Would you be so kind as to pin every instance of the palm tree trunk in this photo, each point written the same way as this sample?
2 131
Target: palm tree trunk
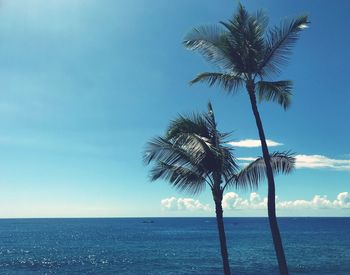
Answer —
271 198
217 195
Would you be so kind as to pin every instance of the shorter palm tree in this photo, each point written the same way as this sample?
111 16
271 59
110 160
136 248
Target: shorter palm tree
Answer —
193 154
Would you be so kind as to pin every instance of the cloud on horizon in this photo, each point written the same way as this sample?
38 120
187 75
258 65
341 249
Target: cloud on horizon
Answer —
252 143
190 204
232 201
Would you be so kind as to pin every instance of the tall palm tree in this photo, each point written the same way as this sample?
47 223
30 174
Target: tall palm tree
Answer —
248 54
193 154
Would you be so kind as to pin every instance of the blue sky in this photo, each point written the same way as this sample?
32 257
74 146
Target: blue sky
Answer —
85 84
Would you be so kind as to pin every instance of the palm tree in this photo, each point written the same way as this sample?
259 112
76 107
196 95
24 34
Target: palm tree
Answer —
194 154
248 55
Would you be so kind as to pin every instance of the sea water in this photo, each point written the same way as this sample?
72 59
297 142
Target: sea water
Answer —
171 246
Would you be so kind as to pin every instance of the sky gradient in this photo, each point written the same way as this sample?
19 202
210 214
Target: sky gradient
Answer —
85 84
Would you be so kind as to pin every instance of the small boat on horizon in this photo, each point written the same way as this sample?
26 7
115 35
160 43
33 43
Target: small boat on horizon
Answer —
148 221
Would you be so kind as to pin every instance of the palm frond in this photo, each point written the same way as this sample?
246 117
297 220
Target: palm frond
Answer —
214 134
237 26
212 43
200 148
255 172
191 154
194 124
229 166
162 150
280 41
277 91
247 38
262 19
182 178
230 83
192 134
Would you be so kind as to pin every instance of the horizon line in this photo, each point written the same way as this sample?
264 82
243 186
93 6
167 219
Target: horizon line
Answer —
168 217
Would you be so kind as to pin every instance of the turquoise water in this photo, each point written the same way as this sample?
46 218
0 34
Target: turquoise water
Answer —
170 246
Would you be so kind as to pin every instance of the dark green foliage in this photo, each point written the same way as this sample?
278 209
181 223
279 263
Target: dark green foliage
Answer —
229 82
255 172
247 53
190 153
244 50
279 43
277 91
193 151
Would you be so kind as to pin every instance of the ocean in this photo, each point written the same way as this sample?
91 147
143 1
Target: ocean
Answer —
170 246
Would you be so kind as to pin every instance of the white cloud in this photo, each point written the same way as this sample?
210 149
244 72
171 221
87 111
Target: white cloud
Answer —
253 143
190 204
302 160
232 201
318 202
319 161
169 203
247 159
343 200
254 197
312 162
